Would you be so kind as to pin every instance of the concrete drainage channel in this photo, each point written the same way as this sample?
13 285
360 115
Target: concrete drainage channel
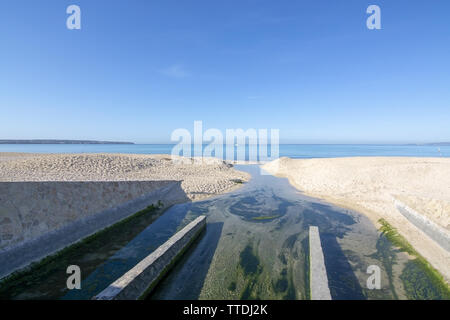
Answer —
142 279
46 223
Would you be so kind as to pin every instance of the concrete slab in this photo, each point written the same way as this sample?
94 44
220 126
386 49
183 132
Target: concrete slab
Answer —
318 272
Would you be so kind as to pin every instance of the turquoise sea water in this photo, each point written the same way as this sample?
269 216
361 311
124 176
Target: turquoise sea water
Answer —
285 150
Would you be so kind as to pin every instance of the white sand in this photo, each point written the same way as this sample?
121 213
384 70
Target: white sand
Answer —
370 185
199 181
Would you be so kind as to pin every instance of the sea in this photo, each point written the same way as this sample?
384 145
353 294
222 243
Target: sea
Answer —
299 151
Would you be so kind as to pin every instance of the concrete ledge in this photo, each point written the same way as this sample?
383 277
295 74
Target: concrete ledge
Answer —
141 279
434 231
318 273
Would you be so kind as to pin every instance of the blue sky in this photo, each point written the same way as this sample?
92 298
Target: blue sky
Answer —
137 70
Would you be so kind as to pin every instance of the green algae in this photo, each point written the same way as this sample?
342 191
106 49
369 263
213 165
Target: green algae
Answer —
420 279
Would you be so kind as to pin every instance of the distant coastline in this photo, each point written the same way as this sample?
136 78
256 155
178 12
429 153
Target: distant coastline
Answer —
432 144
42 141
438 144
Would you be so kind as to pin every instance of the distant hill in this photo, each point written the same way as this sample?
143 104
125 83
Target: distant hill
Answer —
42 141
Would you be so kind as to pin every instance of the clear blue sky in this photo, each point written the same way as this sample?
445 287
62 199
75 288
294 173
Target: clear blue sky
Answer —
139 69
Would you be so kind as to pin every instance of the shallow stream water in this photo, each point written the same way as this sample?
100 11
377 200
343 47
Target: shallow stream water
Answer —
256 247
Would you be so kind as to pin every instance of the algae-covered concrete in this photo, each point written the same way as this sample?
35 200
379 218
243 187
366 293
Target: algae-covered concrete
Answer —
145 275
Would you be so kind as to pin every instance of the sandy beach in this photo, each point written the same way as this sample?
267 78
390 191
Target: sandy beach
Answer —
371 185
199 181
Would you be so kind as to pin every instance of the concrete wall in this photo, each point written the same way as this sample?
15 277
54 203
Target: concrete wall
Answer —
318 272
434 231
145 275
40 218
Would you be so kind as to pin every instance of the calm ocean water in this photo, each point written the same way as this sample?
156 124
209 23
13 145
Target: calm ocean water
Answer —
285 150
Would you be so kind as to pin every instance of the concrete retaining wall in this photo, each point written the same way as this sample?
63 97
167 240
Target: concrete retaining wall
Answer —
318 272
41 218
141 279
434 231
